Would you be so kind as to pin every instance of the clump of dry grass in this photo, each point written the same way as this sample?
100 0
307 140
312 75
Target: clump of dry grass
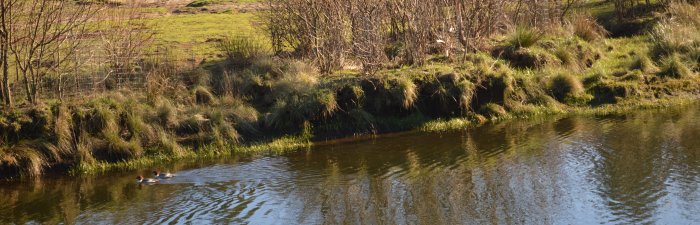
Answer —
587 28
23 159
202 95
679 33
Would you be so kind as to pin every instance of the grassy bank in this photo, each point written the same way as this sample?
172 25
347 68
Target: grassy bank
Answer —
253 101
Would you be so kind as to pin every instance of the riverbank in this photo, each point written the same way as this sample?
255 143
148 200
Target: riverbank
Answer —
291 143
255 102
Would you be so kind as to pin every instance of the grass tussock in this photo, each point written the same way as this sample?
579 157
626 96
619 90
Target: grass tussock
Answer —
644 64
241 51
679 32
203 96
674 67
585 27
523 37
23 160
569 89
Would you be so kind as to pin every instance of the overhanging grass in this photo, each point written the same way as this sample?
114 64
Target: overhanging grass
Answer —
441 125
277 146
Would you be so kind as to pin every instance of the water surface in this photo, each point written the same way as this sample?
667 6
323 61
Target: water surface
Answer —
642 167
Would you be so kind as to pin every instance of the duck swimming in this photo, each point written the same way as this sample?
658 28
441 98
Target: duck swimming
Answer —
141 180
160 175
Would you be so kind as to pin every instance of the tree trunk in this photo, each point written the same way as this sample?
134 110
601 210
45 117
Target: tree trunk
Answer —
7 93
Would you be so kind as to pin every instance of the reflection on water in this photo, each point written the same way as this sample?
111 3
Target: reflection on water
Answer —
637 168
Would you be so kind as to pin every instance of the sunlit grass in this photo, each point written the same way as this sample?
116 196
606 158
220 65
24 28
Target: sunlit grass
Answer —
196 34
277 146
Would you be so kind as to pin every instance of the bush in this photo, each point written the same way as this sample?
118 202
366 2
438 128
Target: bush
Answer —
241 51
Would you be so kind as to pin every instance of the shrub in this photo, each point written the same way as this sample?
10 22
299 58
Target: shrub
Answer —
241 51
674 67
585 27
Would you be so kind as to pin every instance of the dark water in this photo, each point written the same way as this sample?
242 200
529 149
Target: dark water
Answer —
636 168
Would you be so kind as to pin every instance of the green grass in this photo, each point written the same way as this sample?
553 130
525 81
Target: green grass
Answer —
277 146
195 34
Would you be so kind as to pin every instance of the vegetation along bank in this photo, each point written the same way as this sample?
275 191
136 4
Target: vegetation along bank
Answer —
372 67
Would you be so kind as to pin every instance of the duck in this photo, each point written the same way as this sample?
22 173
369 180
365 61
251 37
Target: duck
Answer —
141 180
160 175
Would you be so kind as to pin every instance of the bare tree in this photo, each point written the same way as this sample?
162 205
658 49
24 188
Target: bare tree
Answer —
477 20
39 38
7 18
126 36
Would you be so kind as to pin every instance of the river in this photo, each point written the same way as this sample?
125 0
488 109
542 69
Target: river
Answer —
641 167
